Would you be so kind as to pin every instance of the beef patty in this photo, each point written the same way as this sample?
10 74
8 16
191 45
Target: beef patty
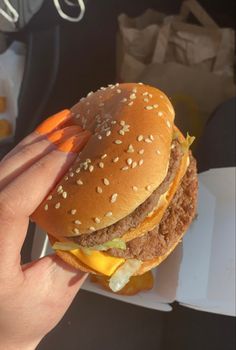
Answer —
139 214
174 223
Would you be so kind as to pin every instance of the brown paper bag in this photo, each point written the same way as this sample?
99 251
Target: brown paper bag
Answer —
193 64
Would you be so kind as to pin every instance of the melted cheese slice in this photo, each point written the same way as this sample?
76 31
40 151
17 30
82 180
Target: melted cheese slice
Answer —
98 261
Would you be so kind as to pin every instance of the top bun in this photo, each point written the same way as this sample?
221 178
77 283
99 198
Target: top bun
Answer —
124 161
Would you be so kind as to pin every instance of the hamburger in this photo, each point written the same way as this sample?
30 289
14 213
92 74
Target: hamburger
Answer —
131 193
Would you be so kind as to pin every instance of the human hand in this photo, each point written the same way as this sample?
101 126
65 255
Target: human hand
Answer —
35 296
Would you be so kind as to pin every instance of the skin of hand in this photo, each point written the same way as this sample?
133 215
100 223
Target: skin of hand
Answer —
35 296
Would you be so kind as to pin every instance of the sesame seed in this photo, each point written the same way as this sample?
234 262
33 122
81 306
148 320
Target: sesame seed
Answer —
155 105
146 99
168 123
90 93
77 170
73 211
135 188
145 93
117 142
140 138
122 122
101 165
160 114
113 122
147 140
117 84
134 90
115 159
101 104
57 205
151 137
99 189
129 161
46 207
71 174
49 197
121 132
114 197
77 222
64 194
76 230
141 151
108 133
130 103
118 91
92 228
77 116
99 137
150 95
59 188
106 181
91 167
102 88
125 168
140 83
148 188
109 213
149 108
104 156
97 220
161 96
140 162
132 97
79 182
126 127
134 164
88 160
130 149
124 100
66 178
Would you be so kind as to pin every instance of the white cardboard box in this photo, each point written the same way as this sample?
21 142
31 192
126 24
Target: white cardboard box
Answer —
200 273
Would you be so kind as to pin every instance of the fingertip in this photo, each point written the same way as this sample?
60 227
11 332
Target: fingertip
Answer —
53 122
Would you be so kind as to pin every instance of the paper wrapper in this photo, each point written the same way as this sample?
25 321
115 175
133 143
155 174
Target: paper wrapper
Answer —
11 74
193 64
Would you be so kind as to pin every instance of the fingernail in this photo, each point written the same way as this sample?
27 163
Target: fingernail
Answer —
63 134
75 143
54 122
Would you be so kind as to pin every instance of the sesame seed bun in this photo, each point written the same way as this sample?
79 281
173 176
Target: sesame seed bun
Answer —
127 159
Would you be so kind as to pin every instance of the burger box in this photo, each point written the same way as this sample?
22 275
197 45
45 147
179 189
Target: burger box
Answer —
200 273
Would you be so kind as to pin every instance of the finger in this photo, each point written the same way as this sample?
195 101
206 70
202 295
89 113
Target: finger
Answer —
20 198
29 154
60 280
49 125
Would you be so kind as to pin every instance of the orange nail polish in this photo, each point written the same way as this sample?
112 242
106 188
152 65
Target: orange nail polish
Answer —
75 143
54 122
62 134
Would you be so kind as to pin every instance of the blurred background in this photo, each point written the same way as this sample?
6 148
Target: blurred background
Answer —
48 62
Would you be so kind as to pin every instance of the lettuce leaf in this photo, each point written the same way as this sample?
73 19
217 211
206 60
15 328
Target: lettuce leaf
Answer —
187 143
115 243
122 275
